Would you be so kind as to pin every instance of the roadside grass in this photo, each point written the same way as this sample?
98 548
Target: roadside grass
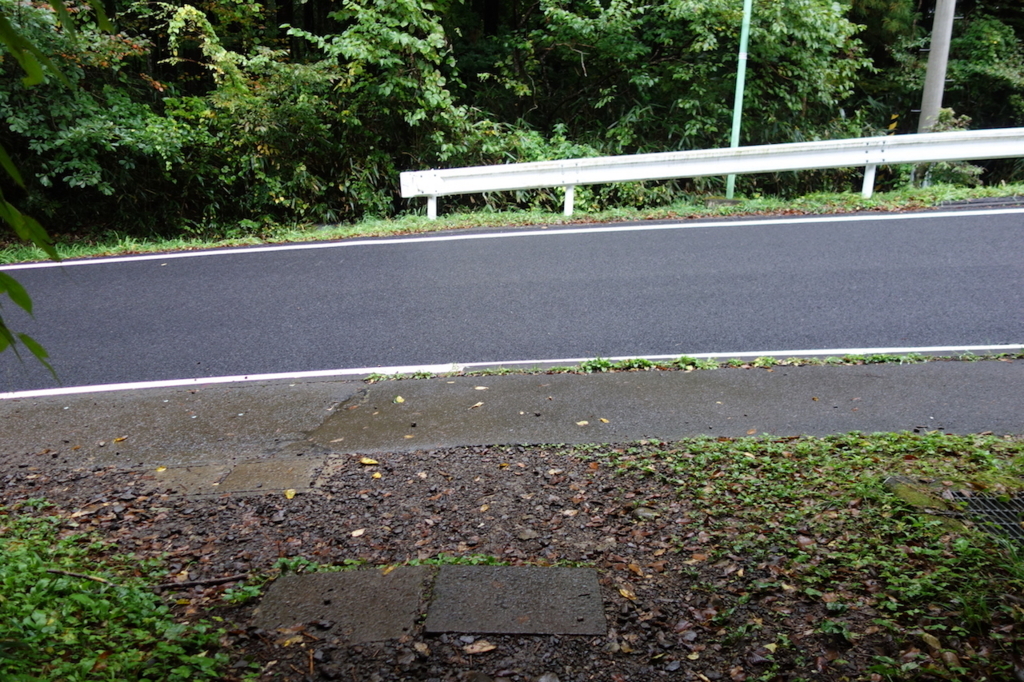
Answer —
811 521
57 626
415 222
688 363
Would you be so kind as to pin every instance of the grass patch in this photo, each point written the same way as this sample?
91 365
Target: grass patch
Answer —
813 526
55 626
415 222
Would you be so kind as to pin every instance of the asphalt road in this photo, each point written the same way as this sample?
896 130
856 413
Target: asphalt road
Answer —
906 281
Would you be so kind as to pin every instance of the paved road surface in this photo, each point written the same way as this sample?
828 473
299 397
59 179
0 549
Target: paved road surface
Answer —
945 279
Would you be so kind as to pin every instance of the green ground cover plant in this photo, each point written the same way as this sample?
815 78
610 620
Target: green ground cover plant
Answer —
57 624
812 519
688 364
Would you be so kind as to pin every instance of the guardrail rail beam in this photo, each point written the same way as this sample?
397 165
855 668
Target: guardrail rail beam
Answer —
867 153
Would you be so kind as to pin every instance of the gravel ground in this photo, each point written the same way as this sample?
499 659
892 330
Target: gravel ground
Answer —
672 612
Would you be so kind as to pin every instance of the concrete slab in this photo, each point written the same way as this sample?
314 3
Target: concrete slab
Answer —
516 600
364 606
274 474
223 425
194 480
957 397
172 426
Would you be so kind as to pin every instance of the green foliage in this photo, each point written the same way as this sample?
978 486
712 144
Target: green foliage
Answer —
632 364
818 510
224 119
986 72
55 626
241 594
443 559
595 365
644 76
31 60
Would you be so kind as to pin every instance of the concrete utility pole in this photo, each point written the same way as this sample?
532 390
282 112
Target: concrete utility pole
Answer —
938 57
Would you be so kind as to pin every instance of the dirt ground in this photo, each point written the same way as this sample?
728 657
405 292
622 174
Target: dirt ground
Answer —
677 608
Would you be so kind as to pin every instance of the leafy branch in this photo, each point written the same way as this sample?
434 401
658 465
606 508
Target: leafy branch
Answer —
32 61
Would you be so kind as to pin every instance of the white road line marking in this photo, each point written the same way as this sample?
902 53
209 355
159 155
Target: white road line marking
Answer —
461 367
554 232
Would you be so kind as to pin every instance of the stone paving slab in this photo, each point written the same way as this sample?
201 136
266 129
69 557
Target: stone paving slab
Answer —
192 480
516 600
364 605
275 474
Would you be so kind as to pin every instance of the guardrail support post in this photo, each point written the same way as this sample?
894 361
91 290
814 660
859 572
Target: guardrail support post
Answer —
432 207
869 181
570 197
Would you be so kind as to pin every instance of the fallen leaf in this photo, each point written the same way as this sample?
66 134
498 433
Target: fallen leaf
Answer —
476 406
804 541
338 440
480 646
693 657
399 399
159 469
409 436
367 461
931 640
771 647
627 593
603 420
358 533
421 648
122 438
583 423
484 508
388 569
376 474
100 663
290 493
950 659
751 432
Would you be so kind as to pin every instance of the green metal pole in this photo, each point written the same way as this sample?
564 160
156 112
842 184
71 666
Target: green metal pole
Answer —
741 81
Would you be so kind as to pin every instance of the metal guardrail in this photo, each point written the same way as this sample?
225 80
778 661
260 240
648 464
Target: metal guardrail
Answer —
868 152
